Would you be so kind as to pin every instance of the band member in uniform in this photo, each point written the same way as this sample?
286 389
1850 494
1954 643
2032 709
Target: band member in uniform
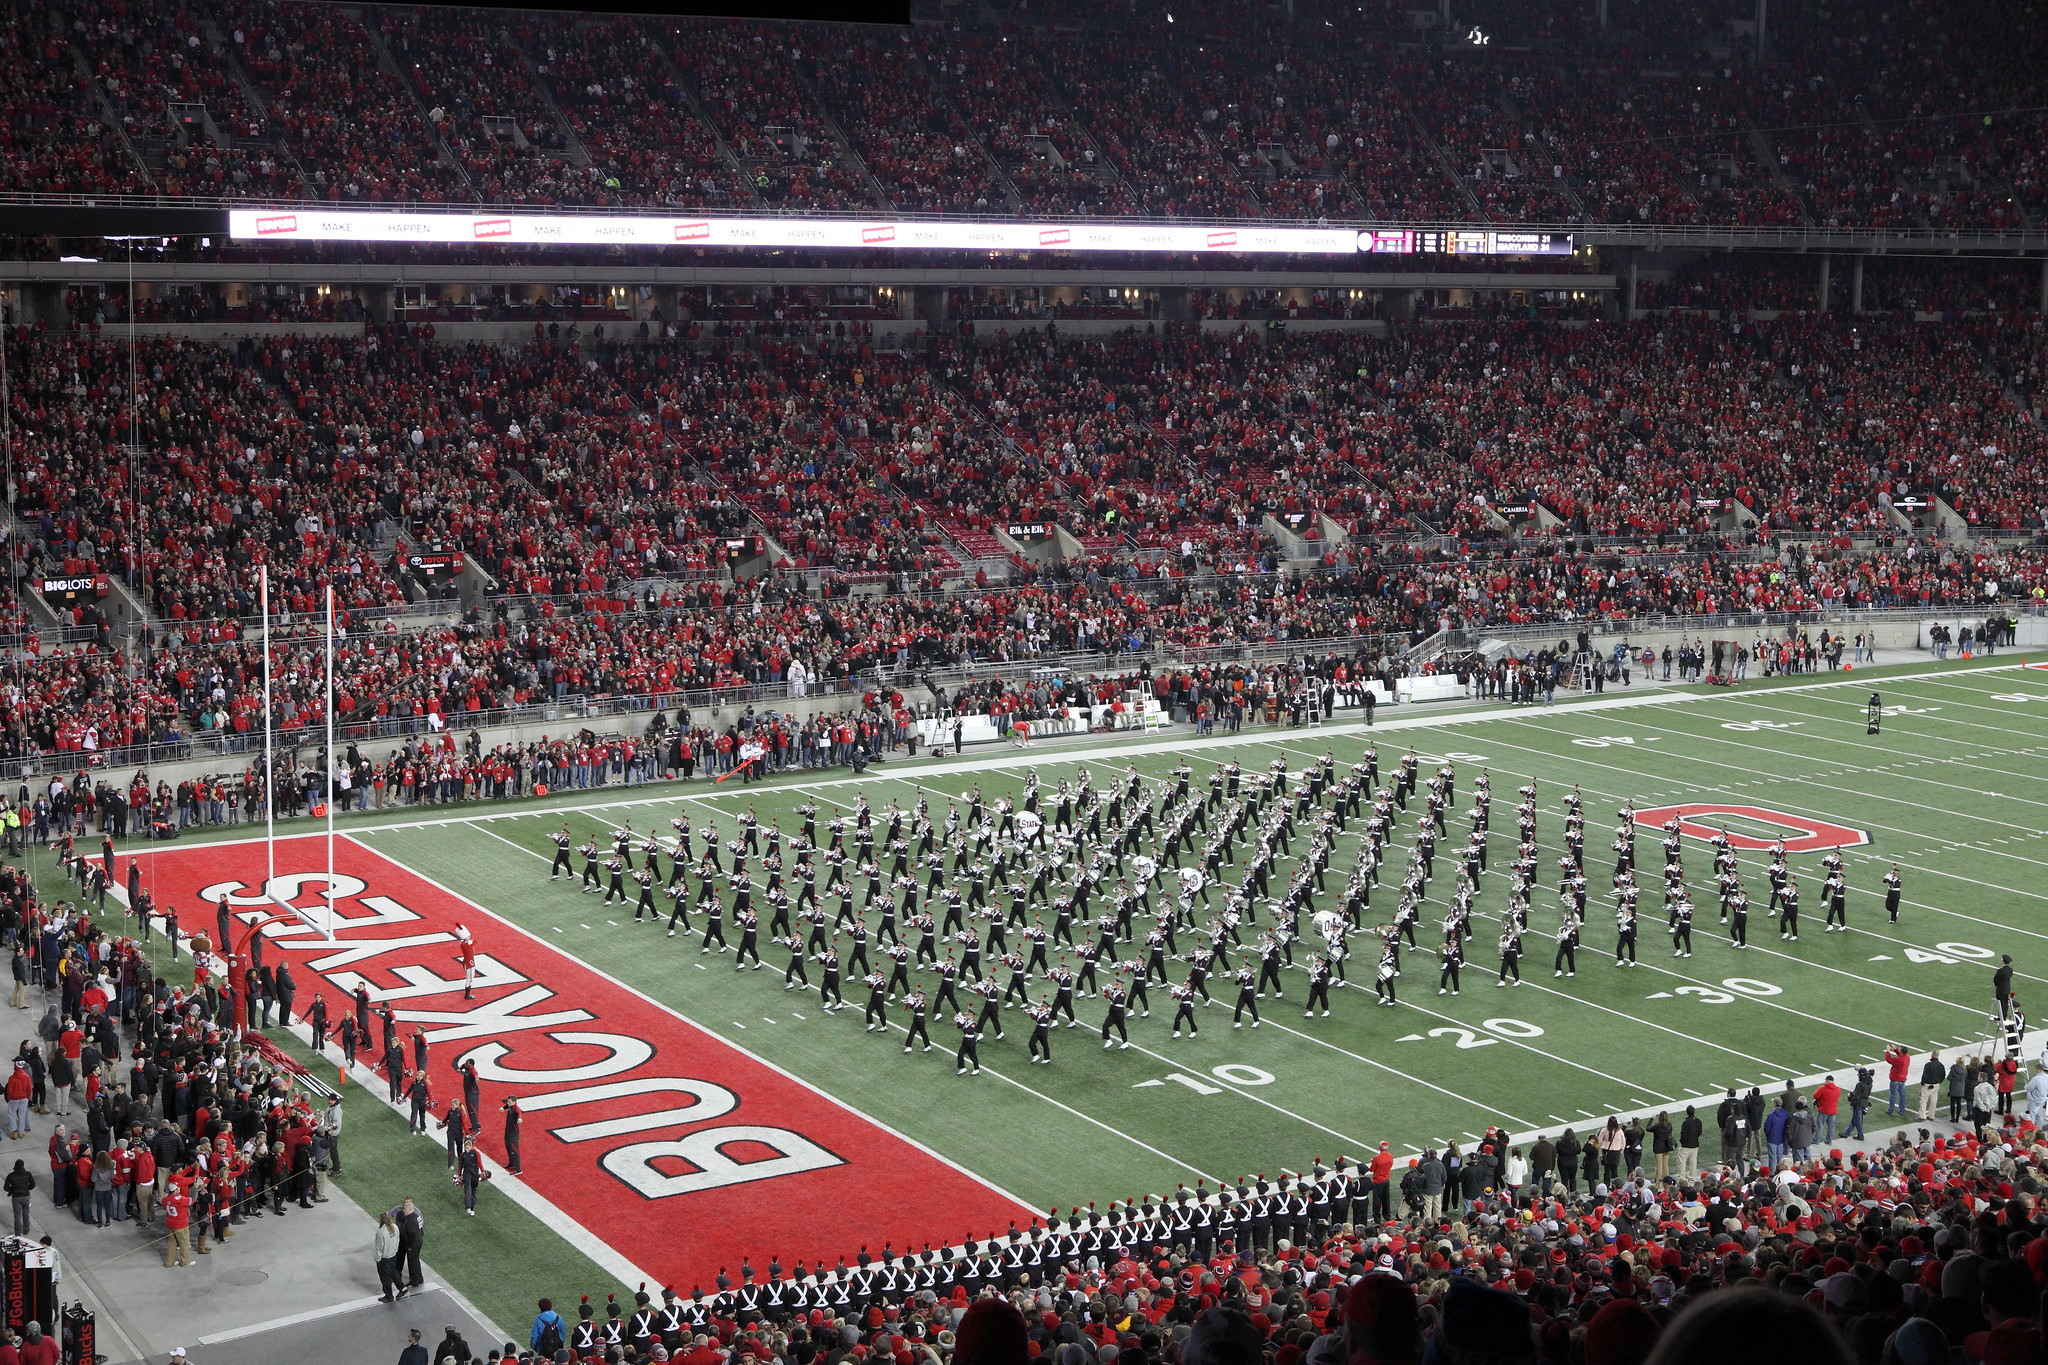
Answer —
1041 1030
1383 980
1836 892
749 925
794 976
1452 958
1113 997
1892 887
1510 954
1247 997
1184 1008
991 1015
829 998
714 920
1681 926
918 1032
1566 963
561 864
1318 985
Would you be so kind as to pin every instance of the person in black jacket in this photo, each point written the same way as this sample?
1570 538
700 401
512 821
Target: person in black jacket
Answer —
1931 1077
1735 1132
286 990
453 1350
1543 1163
1689 1145
412 1235
1859 1101
21 1187
1568 1161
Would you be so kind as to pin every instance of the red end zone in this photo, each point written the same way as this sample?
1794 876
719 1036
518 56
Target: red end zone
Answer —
662 1140
1804 833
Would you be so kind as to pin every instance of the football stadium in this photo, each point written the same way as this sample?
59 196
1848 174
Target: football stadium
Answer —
817 688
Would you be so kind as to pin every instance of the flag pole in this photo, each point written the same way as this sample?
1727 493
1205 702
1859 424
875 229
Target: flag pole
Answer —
329 927
269 773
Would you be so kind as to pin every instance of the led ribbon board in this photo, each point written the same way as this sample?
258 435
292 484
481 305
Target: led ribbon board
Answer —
316 224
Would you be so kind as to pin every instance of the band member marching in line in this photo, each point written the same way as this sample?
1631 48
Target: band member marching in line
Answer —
1788 909
1566 963
1681 926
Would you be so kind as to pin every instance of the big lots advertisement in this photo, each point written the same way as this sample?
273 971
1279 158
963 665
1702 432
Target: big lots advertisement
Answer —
669 1144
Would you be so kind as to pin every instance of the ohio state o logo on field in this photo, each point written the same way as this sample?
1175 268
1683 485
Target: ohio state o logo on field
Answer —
1801 833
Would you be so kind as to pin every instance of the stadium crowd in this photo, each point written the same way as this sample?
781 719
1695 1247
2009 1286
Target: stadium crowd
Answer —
601 485
1216 111
1925 1246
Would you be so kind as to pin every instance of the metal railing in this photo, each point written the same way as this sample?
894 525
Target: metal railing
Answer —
1466 637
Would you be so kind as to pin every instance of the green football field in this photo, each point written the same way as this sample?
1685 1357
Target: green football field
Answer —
1952 791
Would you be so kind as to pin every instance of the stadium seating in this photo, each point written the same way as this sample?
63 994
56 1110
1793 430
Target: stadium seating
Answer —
1225 113
55 135
572 476
339 112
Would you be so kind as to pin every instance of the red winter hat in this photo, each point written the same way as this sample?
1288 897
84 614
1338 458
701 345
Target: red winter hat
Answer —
991 1331
1622 1333
1380 1321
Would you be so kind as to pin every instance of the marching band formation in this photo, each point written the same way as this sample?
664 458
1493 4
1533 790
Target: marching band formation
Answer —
888 898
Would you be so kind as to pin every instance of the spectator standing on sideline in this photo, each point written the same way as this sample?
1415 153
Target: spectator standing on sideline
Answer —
37 1348
1827 1102
2037 1096
177 1226
330 1134
453 1350
21 1188
412 1234
1900 1063
1932 1074
549 1331
414 1353
386 1252
20 1087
